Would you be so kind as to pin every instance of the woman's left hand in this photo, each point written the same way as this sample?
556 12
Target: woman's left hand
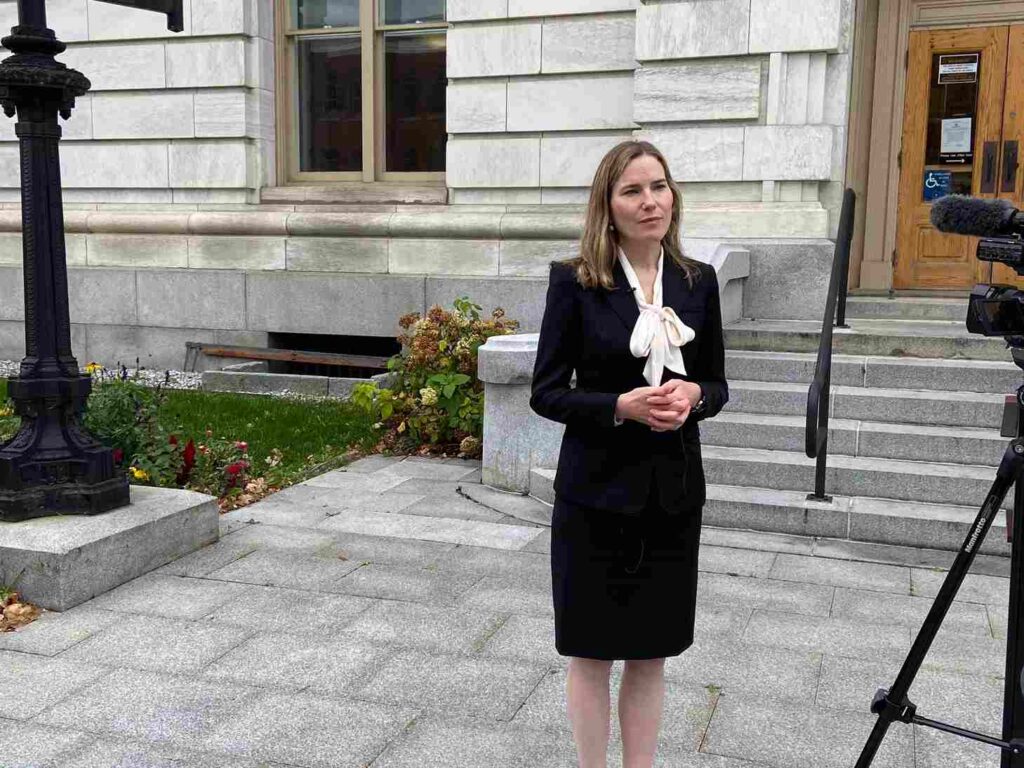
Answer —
673 408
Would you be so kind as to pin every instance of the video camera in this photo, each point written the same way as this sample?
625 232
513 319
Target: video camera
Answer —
993 310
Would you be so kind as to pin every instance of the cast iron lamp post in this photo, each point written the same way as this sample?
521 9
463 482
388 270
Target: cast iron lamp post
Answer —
52 465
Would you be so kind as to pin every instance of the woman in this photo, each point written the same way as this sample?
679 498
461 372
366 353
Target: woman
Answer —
640 326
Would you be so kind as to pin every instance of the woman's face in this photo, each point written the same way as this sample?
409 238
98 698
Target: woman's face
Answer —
641 205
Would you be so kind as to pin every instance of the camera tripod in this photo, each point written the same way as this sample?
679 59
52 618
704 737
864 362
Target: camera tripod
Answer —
892 704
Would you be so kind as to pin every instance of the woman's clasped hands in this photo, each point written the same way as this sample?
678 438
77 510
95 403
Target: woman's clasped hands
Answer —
663 408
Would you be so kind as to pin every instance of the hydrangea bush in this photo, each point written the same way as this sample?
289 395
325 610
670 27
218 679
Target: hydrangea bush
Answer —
434 403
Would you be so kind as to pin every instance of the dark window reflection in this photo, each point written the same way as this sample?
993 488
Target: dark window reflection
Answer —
415 101
315 14
330 104
412 11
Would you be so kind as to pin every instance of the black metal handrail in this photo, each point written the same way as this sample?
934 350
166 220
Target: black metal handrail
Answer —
816 434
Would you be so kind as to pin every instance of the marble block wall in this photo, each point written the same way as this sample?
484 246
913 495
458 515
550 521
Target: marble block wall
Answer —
538 91
750 93
748 99
171 118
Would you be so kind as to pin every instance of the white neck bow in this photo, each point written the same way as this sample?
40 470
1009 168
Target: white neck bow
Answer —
658 334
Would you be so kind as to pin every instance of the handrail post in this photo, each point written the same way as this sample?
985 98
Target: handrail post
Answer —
818 396
844 283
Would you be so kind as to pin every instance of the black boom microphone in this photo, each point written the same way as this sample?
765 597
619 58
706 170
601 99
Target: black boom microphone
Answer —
962 215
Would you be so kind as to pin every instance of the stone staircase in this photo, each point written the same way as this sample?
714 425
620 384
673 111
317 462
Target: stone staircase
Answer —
914 428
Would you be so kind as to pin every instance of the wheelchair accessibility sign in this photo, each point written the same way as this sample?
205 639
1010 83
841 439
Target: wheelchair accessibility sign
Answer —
937 184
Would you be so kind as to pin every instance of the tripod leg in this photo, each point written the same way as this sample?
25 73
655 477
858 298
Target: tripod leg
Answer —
893 704
1013 695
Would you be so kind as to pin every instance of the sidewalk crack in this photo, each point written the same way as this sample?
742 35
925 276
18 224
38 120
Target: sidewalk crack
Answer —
717 694
408 727
548 673
463 494
485 638
817 685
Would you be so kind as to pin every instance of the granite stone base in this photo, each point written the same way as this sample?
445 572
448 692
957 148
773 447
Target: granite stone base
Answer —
254 382
59 562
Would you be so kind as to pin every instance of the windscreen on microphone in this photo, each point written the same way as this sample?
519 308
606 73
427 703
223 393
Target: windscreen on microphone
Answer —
970 216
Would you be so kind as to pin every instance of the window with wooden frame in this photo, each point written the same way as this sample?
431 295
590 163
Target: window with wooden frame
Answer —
361 87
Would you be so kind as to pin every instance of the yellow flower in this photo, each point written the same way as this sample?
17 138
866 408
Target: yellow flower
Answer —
139 474
93 368
6 411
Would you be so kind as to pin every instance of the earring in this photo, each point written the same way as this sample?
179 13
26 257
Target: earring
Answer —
611 227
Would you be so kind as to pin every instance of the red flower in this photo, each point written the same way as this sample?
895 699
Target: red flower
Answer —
188 460
173 439
234 472
118 455
242 446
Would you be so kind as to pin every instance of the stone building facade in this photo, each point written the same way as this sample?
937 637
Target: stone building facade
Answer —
190 218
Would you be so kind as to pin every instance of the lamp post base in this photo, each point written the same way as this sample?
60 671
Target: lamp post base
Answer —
63 499
52 466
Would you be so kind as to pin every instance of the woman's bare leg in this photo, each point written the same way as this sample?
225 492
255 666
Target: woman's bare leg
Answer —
589 704
641 699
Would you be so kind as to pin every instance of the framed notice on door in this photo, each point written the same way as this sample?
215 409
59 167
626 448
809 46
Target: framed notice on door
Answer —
958 68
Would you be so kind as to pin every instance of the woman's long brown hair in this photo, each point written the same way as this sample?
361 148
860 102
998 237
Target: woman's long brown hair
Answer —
599 244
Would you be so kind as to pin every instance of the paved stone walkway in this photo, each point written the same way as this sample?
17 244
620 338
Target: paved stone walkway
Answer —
393 615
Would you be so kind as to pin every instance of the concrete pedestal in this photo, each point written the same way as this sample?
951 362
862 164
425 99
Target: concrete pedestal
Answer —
515 438
59 562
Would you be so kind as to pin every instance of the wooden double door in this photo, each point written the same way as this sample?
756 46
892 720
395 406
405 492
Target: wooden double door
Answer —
963 133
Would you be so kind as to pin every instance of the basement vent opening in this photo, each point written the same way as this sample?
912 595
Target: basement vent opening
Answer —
358 357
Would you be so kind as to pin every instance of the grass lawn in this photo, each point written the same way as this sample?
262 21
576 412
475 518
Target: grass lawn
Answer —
300 429
307 432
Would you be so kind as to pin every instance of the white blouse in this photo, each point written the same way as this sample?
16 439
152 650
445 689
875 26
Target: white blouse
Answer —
659 334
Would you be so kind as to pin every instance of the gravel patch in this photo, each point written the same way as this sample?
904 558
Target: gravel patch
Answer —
150 378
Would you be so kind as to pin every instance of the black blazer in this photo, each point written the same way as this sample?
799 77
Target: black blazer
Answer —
601 465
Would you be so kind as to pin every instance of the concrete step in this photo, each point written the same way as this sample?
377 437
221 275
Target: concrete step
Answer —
919 481
911 481
860 518
935 526
906 308
905 406
542 484
944 445
898 338
990 376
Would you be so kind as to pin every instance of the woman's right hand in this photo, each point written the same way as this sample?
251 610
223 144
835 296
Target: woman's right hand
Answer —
634 405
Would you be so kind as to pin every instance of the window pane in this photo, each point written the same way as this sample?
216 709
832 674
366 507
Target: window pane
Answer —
952 124
316 14
411 11
330 104
415 91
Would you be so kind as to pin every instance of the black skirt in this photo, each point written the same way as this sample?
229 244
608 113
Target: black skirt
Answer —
624 586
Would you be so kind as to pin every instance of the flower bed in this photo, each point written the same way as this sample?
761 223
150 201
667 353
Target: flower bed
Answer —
238 448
